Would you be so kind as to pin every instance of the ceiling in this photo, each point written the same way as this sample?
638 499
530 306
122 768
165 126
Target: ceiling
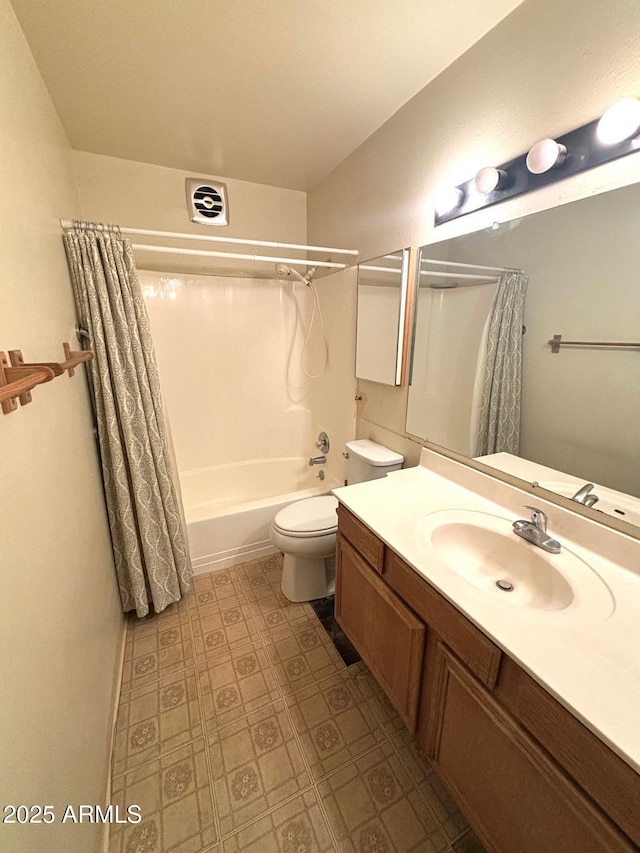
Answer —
273 91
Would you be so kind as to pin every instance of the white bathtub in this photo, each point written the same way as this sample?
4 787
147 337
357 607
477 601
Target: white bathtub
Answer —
229 508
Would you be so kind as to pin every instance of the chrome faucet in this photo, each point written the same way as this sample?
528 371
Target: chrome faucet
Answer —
317 460
583 497
535 531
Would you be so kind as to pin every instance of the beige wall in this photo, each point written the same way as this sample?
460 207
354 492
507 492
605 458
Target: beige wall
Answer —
544 70
331 396
141 195
61 622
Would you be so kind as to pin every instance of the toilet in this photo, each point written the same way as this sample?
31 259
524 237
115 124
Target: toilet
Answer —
305 531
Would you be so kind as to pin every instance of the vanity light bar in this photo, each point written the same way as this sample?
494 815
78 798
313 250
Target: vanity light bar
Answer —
548 161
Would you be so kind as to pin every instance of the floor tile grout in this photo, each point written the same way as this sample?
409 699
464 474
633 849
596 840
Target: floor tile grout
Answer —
299 744
428 805
223 837
248 824
214 805
265 638
281 699
283 696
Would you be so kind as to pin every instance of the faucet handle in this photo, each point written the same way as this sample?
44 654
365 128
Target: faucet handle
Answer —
323 442
538 517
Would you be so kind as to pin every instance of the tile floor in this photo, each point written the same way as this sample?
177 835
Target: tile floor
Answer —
241 730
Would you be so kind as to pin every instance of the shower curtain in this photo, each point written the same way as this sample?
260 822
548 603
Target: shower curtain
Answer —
149 542
499 418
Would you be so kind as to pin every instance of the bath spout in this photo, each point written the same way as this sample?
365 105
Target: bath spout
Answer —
317 460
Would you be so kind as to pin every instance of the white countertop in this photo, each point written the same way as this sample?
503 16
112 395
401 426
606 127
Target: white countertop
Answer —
591 667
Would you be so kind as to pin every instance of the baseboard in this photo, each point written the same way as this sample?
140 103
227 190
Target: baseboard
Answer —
117 689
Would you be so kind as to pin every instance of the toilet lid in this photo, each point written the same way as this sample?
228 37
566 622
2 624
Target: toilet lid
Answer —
313 515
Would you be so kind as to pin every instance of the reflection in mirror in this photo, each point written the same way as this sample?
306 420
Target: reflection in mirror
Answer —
382 294
465 383
580 406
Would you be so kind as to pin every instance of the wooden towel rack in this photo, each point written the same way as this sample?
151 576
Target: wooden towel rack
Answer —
18 377
556 342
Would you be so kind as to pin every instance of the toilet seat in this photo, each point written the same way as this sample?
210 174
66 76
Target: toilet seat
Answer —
308 518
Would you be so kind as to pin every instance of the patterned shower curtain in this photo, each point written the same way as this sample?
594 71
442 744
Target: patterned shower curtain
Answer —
499 419
149 541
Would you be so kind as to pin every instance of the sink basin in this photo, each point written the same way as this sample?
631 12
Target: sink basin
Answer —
483 550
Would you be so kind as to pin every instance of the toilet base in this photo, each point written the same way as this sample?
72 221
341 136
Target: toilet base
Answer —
307 578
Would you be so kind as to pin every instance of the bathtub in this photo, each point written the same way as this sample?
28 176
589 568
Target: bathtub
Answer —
229 508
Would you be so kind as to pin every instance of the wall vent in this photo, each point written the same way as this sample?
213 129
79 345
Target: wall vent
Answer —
207 201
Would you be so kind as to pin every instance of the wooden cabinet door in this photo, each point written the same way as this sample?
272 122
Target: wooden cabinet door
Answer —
387 634
513 794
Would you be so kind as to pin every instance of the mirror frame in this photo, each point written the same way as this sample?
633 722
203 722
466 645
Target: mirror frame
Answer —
404 319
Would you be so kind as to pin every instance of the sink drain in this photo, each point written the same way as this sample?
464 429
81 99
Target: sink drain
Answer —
505 586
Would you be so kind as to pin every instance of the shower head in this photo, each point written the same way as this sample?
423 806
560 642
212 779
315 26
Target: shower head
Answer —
285 271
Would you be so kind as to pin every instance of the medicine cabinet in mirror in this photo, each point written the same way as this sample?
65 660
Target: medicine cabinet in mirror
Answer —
380 329
579 401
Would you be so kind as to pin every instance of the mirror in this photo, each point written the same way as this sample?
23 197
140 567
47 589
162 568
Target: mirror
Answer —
381 309
580 406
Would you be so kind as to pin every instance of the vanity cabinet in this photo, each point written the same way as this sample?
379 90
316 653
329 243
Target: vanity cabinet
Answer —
515 795
528 775
389 637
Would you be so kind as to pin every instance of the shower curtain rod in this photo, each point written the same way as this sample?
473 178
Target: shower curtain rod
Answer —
178 235
459 274
467 266
379 269
207 253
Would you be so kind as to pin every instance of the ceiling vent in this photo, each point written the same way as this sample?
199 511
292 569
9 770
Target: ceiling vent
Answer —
207 202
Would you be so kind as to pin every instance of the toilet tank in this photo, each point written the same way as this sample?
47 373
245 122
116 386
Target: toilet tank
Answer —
370 461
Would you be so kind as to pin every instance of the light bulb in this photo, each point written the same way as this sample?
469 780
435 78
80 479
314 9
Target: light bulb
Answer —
544 155
447 199
619 122
489 179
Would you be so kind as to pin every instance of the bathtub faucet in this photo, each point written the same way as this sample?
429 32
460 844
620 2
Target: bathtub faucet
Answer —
317 460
